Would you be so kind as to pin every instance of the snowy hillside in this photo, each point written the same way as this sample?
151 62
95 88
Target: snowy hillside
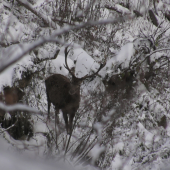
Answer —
116 83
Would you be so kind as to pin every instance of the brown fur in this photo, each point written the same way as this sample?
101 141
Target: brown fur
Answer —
58 89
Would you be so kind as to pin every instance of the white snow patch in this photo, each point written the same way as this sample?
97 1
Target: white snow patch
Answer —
85 63
125 54
148 136
96 151
7 75
122 9
59 63
119 146
160 5
117 162
123 58
7 116
40 127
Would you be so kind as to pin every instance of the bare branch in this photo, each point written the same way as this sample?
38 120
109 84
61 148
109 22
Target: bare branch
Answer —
9 127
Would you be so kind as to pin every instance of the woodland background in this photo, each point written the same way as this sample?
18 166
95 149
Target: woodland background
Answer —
123 119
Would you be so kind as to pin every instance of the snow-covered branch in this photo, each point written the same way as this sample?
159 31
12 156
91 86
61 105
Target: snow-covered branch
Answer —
163 49
37 60
25 47
118 8
47 20
20 107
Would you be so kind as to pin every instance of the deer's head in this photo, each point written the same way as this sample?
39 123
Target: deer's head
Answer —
76 82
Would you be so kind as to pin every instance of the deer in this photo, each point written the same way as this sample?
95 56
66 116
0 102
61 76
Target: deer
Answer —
65 94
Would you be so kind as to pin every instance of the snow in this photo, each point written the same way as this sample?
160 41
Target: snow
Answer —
122 9
140 43
40 126
19 107
133 121
160 5
156 56
125 54
15 34
59 63
39 2
17 162
7 116
96 151
141 88
117 162
6 77
148 136
122 58
96 52
84 63
119 146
